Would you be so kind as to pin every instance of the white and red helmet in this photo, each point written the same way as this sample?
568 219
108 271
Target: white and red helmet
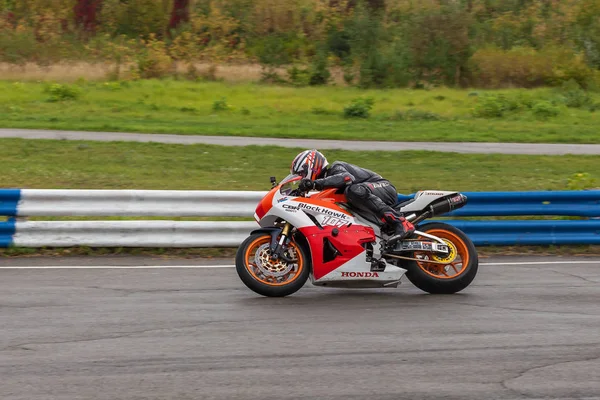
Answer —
309 164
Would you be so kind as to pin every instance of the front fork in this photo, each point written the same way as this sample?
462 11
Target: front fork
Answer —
279 246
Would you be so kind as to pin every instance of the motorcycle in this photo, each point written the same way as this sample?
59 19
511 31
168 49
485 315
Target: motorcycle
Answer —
321 237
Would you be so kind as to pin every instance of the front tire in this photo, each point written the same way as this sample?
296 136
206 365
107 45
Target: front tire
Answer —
444 279
266 277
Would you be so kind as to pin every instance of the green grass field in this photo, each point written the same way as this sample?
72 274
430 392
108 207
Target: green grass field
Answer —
184 107
48 164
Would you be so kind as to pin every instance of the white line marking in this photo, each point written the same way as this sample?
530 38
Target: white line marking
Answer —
233 266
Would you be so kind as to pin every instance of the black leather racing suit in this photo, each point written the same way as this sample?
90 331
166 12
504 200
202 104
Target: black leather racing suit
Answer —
364 189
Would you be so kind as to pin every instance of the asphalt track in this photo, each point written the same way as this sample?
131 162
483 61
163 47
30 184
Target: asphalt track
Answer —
451 147
526 329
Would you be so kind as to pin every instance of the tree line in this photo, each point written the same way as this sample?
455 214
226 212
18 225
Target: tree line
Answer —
376 43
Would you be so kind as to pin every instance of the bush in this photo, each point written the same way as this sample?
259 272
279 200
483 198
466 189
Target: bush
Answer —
60 92
573 96
298 77
545 109
497 106
490 107
154 61
359 108
527 67
221 105
319 72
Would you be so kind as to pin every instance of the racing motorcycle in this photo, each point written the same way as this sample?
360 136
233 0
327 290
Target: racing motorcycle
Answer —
320 236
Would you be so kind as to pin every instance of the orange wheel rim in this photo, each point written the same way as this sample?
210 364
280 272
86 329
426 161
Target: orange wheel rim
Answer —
272 272
456 267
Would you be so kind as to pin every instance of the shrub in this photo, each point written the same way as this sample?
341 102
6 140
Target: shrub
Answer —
221 105
545 109
490 107
298 77
359 108
319 72
497 106
573 96
527 67
59 92
154 61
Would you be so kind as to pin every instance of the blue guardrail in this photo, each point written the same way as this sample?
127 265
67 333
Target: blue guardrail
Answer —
582 204
9 199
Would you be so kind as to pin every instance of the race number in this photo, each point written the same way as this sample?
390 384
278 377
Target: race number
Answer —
333 221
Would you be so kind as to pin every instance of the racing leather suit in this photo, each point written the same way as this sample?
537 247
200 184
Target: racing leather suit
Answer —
366 191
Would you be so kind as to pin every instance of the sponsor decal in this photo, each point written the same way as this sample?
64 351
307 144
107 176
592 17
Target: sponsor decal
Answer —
289 208
434 193
322 210
333 221
283 199
360 275
378 185
456 199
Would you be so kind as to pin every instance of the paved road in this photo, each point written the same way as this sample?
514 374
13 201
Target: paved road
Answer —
503 148
520 331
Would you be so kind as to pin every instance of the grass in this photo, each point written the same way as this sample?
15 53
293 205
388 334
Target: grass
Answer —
53 164
185 107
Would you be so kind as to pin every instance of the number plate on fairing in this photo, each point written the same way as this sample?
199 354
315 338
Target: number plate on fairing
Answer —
421 246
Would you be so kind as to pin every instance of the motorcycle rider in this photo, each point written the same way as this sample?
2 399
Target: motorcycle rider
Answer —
364 189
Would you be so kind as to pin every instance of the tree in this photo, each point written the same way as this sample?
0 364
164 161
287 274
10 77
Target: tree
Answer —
86 12
180 13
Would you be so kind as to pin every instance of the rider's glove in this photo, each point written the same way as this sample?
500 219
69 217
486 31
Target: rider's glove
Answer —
305 185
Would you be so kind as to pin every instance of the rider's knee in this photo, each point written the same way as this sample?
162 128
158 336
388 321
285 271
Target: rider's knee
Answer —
357 192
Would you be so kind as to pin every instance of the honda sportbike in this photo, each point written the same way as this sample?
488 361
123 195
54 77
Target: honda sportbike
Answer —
320 236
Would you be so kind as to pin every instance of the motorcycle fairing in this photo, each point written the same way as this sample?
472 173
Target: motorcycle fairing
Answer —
356 273
336 237
332 252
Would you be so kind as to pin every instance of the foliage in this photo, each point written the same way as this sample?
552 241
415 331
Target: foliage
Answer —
545 110
60 92
375 44
574 96
359 108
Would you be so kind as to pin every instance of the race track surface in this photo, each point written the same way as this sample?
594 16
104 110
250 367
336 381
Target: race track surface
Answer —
450 147
521 331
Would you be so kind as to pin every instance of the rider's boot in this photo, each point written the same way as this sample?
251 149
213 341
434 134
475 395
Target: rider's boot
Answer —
402 227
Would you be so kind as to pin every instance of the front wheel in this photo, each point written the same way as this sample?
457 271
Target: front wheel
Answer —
462 259
272 278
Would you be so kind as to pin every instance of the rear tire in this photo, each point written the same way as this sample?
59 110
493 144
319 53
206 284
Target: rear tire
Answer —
267 278
439 279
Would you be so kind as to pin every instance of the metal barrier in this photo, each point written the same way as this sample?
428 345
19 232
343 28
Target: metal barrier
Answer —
20 204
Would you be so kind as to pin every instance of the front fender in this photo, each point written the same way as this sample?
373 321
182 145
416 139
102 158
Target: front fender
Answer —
273 231
298 237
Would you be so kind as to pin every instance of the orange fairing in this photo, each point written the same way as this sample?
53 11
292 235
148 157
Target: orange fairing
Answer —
266 203
326 198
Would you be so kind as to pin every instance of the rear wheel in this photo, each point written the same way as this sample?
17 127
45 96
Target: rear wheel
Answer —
272 278
462 262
